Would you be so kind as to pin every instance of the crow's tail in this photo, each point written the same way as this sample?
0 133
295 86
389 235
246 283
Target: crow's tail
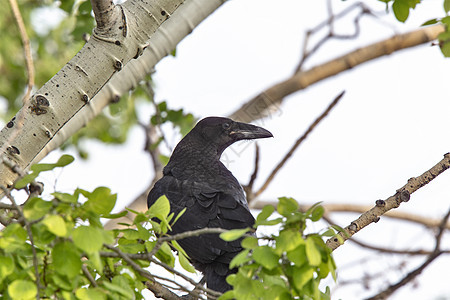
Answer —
216 274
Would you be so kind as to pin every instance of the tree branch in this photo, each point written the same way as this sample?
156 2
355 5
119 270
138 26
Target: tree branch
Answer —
354 208
416 272
270 99
106 15
402 195
297 143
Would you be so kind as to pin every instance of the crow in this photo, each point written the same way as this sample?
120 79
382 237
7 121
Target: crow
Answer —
197 180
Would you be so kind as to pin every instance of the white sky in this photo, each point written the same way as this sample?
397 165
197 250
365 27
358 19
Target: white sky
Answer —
392 124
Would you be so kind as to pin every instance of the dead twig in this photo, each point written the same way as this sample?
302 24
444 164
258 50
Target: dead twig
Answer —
416 272
297 143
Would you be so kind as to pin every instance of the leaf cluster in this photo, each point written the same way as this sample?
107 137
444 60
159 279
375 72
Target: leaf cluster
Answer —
286 265
71 250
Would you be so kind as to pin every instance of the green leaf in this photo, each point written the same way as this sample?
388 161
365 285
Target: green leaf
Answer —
22 289
6 266
165 254
66 259
178 247
227 295
65 197
329 233
184 262
288 240
287 206
88 239
265 257
298 255
265 213
249 242
90 294
430 22
56 225
100 201
23 182
317 213
445 48
269 222
120 285
312 252
36 208
161 208
62 162
401 10
240 259
115 216
301 276
96 261
446 6
234 234
179 215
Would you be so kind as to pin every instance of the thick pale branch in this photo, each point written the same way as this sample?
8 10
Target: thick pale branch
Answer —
106 15
271 98
402 195
74 86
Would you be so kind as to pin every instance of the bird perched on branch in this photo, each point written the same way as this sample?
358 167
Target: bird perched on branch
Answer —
197 180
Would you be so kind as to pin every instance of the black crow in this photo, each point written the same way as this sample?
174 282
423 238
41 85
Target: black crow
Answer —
197 180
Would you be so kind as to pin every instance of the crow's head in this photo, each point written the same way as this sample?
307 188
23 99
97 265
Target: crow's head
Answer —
222 132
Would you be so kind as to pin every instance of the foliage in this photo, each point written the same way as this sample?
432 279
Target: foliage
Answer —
402 8
51 49
62 239
287 265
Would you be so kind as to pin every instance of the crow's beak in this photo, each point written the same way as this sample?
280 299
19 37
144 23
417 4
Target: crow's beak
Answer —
244 131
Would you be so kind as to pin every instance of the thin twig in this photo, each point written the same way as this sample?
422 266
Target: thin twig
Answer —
30 236
329 22
184 235
297 143
30 73
151 277
26 47
416 272
249 187
88 275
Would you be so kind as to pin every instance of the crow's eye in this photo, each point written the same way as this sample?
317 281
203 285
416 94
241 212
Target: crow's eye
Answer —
226 125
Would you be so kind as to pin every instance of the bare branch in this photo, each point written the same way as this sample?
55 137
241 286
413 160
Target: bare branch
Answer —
402 195
184 235
393 251
307 53
26 48
249 187
297 143
270 99
355 208
416 272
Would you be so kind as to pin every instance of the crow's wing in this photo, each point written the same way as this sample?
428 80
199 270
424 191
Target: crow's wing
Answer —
205 207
